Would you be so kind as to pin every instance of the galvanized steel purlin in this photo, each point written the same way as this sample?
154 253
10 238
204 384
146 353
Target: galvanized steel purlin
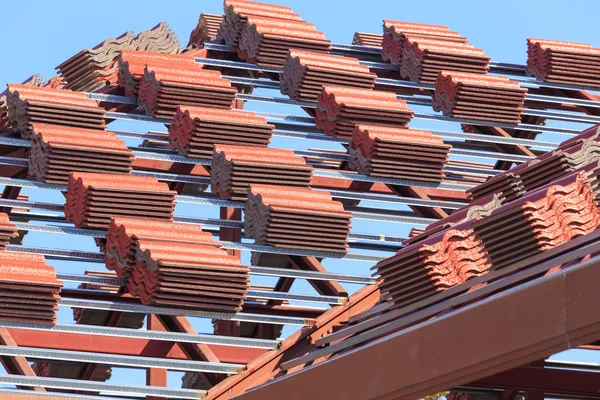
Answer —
139 308
147 334
90 386
225 203
149 154
126 361
254 294
354 50
89 256
209 221
225 245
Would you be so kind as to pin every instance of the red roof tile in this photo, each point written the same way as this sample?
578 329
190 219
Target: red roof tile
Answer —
477 96
296 218
57 150
340 108
195 130
234 168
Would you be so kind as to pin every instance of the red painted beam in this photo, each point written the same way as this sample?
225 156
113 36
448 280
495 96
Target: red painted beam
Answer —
16 365
553 314
118 345
544 380
157 348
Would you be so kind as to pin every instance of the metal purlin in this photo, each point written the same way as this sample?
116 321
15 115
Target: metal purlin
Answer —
357 212
172 156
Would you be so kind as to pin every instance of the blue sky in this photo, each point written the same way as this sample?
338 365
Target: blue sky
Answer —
38 35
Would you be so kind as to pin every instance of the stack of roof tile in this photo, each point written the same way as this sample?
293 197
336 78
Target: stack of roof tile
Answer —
58 150
162 88
132 64
8 231
340 108
160 39
206 30
124 233
395 32
185 275
29 290
266 41
479 97
289 217
542 219
436 263
234 168
490 237
476 209
28 105
398 153
573 154
92 199
195 130
305 73
367 39
423 59
237 12
91 69
34 80
563 62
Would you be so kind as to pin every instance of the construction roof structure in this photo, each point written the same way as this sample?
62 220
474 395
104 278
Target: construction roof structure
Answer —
134 237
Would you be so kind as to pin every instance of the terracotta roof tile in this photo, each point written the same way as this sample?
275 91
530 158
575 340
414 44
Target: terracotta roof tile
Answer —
265 41
206 30
92 199
340 108
91 69
29 290
195 130
188 275
575 153
132 64
367 39
479 97
398 153
424 58
34 80
394 36
563 62
296 218
304 74
57 150
28 105
164 87
236 13
8 231
234 168
540 220
124 233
